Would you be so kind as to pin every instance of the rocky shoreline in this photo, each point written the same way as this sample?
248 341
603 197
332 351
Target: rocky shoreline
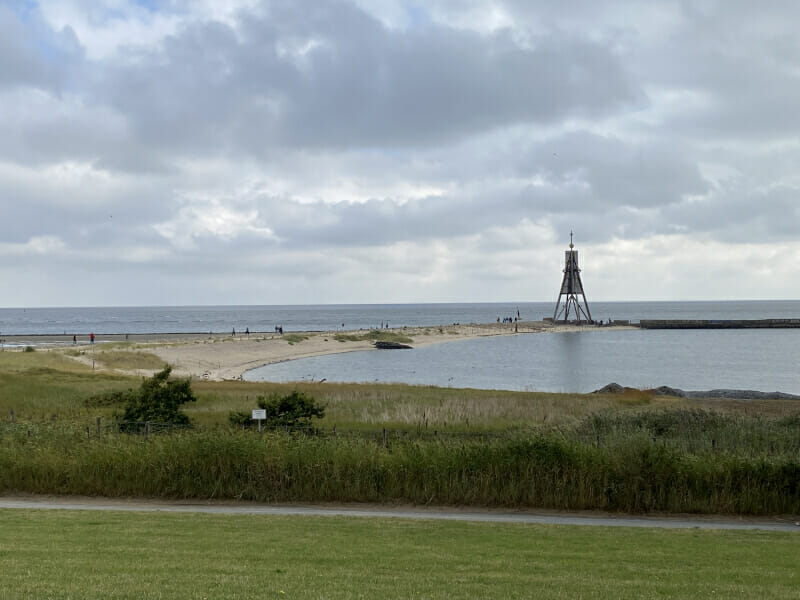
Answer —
615 388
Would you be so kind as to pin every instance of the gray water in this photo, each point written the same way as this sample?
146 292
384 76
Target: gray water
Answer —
327 317
765 360
754 359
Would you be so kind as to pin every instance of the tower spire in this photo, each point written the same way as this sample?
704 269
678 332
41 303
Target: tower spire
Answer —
571 289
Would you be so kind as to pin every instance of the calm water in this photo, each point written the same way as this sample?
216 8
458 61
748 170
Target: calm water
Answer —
197 319
764 360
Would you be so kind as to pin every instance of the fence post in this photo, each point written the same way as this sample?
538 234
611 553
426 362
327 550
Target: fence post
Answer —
87 432
147 429
29 434
714 445
772 447
12 416
384 437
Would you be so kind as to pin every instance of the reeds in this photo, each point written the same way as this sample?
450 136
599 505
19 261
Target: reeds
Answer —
546 470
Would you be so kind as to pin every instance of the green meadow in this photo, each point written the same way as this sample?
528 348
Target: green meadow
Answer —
115 555
631 452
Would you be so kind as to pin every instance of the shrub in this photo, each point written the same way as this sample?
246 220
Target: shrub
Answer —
293 411
159 400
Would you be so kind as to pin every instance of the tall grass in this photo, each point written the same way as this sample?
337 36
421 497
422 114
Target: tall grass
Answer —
545 470
407 406
696 431
375 335
41 384
129 359
494 448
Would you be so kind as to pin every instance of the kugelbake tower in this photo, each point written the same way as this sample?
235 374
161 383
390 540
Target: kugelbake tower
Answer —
572 291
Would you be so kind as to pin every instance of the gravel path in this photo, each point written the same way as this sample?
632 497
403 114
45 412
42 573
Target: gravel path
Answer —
491 516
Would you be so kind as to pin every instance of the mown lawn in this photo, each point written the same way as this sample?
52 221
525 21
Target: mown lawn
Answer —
74 554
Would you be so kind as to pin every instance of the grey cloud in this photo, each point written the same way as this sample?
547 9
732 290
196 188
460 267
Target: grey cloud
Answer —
617 172
743 215
455 137
31 54
601 180
217 90
88 218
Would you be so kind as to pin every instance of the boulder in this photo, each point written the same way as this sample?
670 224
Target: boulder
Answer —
611 388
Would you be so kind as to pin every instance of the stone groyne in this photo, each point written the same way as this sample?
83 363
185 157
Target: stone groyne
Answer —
719 323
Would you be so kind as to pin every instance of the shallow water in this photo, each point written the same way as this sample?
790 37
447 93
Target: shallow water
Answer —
755 359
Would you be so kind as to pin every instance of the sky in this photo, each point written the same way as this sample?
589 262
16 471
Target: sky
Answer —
157 152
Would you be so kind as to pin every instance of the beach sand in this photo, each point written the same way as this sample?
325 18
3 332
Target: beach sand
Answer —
216 356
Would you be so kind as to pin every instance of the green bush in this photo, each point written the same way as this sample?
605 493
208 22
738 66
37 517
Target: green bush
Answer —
159 400
293 411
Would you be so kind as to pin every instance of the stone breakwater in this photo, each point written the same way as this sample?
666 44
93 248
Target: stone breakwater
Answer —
719 323
615 388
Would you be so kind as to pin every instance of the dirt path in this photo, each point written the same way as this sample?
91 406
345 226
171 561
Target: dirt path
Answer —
377 511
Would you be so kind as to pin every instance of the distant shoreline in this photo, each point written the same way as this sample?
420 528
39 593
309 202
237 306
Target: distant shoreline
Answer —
218 356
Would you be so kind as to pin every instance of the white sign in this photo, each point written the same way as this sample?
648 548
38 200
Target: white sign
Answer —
259 414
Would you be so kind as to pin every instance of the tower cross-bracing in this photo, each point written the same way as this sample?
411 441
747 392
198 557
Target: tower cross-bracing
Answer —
572 290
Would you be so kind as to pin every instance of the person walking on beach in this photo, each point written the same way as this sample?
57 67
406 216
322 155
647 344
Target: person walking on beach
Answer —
74 340
233 332
91 338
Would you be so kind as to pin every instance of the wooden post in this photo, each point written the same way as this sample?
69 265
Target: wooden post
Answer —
384 437
98 425
87 432
771 447
714 445
12 416
29 434
147 429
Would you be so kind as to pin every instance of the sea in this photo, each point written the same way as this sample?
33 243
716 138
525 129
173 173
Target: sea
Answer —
755 359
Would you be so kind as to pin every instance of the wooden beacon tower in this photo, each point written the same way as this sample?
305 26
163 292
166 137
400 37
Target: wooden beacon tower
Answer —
571 289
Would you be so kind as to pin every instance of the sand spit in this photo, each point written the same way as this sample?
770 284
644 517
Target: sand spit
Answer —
220 357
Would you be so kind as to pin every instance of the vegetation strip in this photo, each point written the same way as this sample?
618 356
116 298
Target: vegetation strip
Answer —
66 554
629 452
539 470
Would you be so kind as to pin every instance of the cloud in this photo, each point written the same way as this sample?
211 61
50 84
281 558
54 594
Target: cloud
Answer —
263 151
311 76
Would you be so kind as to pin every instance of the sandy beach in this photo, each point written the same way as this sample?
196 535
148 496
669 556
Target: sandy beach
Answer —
216 356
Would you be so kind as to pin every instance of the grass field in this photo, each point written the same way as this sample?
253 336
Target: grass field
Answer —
632 452
74 554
